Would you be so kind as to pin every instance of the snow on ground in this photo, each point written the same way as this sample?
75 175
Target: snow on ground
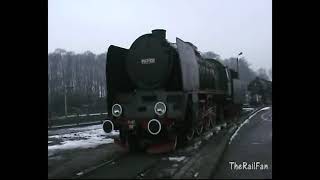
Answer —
177 158
245 122
217 128
94 133
79 138
208 135
73 129
80 144
197 145
57 131
248 109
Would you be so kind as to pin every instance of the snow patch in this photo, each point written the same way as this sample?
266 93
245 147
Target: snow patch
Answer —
218 128
224 125
175 165
78 129
85 134
197 145
80 173
177 158
90 138
80 144
208 135
248 109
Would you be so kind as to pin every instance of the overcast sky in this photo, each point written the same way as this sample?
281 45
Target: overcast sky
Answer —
225 27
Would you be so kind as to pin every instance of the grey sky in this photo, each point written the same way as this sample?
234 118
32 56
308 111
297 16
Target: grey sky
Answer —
225 27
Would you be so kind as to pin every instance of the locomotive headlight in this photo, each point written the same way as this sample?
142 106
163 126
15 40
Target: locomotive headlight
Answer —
116 110
160 108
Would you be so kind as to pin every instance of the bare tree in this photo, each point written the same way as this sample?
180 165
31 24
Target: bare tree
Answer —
85 73
262 73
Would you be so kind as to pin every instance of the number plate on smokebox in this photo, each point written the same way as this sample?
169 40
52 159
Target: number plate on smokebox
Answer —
148 61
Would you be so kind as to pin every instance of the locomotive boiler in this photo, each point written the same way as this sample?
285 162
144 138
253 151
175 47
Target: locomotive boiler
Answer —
161 93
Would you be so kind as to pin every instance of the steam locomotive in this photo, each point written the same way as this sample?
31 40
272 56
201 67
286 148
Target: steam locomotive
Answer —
260 92
161 93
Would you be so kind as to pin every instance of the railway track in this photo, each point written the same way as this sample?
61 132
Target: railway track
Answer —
145 166
141 165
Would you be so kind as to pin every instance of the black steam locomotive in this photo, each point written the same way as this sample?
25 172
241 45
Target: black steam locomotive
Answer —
260 92
159 92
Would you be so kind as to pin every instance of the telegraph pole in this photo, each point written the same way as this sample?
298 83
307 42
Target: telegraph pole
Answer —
238 61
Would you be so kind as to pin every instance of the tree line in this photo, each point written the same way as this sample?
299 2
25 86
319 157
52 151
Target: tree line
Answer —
79 81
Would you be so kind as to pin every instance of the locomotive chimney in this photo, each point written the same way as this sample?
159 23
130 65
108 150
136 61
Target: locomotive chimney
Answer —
159 33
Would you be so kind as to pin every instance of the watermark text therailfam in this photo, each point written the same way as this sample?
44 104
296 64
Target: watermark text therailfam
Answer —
248 166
